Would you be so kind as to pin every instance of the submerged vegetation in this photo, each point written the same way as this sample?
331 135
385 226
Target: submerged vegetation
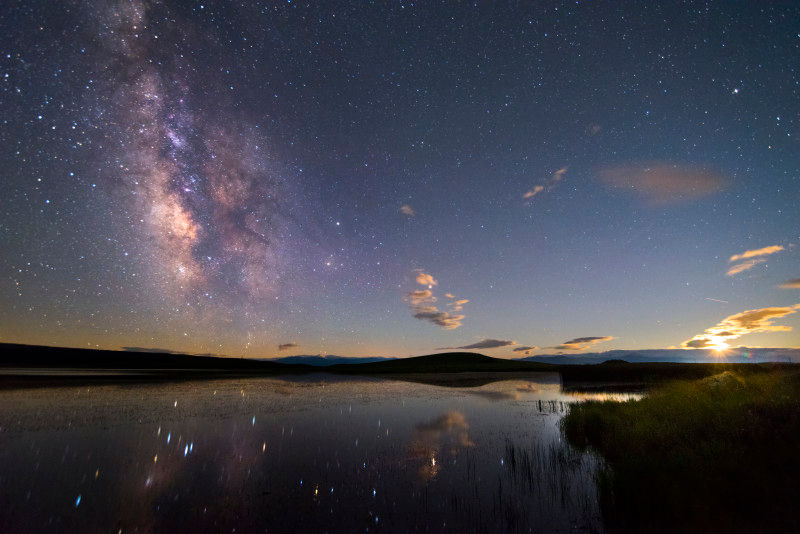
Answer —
721 453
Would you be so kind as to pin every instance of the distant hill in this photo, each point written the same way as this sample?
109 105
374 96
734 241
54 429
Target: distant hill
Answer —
443 363
325 361
35 356
739 355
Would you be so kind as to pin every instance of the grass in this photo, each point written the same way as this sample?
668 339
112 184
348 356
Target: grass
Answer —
721 453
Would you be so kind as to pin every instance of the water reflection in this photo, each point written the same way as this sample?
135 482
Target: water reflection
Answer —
313 453
441 438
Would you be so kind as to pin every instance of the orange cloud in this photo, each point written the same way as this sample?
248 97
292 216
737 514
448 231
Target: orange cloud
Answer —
425 279
663 183
422 300
407 210
758 252
550 184
421 296
582 343
791 284
485 344
533 192
740 324
744 266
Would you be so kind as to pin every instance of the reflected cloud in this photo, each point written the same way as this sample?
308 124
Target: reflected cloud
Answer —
437 440
492 395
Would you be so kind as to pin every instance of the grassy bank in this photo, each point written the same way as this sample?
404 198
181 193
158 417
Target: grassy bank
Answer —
721 453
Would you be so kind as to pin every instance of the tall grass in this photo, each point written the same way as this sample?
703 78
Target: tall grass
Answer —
722 453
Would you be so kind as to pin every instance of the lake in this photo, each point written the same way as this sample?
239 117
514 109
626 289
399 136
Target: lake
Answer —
313 453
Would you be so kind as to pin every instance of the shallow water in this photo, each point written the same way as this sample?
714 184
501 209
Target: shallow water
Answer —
317 453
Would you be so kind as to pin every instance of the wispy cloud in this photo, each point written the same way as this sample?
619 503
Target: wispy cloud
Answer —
421 296
740 324
757 252
712 299
286 346
546 186
582 343
791 284
458 305
487 343
533 192
751 259
405 209
744 266
527 350
663 183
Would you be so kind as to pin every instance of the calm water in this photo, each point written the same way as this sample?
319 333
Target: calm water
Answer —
315 454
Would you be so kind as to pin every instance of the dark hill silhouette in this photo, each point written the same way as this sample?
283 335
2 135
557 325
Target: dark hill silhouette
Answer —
445 362
54 365
325 361
42 357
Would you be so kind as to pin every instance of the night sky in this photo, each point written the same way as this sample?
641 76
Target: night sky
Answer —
380 179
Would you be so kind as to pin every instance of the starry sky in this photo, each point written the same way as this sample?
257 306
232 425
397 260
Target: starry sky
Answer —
384 179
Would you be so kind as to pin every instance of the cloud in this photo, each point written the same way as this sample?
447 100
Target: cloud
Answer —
421 301
791 284
740 324
485 344
285 346
581 343
663 183
533 192
752 257
425 279
440 318
407 210
744 266
527 350
757 252
458 305
547 186
421 296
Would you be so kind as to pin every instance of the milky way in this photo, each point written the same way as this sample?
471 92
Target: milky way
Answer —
214 209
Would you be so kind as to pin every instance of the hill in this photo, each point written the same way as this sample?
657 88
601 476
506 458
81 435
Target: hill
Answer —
324 361
445 362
